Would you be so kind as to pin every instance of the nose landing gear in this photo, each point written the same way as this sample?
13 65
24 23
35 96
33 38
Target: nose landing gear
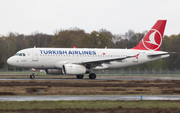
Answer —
33 71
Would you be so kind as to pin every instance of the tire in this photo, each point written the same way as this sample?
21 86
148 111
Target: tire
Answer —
32 76
92 76
79 76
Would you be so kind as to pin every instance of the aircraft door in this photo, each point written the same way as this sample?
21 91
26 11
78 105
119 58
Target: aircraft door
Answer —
34 55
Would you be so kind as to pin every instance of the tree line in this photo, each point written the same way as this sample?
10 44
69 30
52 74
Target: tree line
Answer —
76 37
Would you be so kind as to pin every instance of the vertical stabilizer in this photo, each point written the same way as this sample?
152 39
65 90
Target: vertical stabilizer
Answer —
153 39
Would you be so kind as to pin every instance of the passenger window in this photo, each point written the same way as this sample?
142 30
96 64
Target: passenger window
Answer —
20 54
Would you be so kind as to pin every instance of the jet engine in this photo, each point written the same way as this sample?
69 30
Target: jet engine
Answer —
74 69
53 71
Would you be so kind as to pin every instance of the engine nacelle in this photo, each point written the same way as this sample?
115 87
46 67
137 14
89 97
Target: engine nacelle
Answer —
53 71
73 69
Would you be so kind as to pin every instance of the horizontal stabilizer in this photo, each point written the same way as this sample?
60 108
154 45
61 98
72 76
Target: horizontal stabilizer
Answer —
160 54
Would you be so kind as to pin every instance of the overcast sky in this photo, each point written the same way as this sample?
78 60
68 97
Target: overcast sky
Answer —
117 16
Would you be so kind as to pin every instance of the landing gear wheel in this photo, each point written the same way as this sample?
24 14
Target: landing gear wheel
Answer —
92 75
79 76
32 76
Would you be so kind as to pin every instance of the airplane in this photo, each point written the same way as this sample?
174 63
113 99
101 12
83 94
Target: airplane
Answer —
80 61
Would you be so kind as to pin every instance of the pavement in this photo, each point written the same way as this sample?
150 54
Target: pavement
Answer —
113 78
90 97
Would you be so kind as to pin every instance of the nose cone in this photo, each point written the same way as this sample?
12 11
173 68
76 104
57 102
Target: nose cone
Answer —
10 61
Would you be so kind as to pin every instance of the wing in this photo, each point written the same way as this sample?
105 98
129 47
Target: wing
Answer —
100 61
106 60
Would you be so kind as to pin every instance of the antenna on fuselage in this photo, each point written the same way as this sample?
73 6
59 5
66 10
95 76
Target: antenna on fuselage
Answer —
34 46
105 47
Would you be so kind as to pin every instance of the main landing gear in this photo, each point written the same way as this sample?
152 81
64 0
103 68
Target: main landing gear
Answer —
92 75
32 76
79 76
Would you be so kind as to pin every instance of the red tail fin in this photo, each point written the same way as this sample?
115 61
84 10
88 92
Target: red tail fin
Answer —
153 39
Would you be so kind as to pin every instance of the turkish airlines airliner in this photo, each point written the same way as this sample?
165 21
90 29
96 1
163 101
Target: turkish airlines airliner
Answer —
80 61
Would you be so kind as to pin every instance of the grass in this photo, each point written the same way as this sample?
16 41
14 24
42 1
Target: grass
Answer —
90 87
20 73
88 104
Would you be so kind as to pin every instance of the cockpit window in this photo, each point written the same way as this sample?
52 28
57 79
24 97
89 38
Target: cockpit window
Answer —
17 54
20 54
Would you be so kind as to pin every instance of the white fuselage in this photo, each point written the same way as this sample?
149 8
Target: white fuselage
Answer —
54 58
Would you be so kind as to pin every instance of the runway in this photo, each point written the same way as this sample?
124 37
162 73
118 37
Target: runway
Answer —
123 78
90 97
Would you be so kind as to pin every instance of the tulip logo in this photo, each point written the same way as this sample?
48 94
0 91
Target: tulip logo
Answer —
153 40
